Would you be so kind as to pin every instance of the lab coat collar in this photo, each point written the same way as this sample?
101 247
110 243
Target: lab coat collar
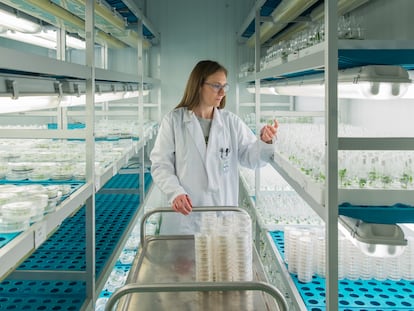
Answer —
191 123
189 115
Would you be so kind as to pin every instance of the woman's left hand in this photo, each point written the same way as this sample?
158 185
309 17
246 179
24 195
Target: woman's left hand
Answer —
268 132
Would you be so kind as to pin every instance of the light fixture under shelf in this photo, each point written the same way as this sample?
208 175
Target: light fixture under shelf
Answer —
74 100
13 22
367 82
373 239
45 38
268 90
28 103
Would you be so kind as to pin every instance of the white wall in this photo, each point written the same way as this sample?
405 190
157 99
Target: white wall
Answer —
192 30
387 117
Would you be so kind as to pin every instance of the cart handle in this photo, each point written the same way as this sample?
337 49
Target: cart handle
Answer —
193 287
195 209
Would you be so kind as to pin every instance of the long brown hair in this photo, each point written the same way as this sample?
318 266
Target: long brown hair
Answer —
198 76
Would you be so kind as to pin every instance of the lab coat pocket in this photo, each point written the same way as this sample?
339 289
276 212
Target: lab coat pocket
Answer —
225 164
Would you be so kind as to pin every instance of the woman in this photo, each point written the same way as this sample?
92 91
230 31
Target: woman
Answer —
200 145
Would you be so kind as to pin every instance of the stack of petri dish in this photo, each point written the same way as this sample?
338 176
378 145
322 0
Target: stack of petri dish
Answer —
40 173
242 249
19 171
54 195
116 279
41 201
223 254
203 258
224 248
3 169
62 171
21 205
15 216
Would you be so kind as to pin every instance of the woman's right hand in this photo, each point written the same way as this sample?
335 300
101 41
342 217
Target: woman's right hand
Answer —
182 204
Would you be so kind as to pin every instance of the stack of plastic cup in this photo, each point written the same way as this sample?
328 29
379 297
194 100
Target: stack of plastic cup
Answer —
293 255
320 256
317 235
365 271
341 256
203 258
352 260
287 230
393 267
305 260
407 260
379 268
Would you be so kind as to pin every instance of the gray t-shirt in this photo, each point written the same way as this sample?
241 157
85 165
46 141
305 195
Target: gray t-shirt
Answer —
205 126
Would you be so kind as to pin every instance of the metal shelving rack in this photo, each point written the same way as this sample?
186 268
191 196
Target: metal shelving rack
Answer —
326 56
32 66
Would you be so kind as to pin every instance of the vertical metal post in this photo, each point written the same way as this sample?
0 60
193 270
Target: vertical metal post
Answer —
257 103
331 153
238 58
141 109
90 149
62 115
61 44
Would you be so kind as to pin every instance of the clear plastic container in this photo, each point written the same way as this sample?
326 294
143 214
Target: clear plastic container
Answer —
17 211
7 226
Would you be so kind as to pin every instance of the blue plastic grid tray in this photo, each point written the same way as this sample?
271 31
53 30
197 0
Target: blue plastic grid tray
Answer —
66 248
361 295
42 295
128 181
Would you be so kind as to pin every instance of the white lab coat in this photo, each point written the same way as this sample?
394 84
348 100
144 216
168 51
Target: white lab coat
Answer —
183 164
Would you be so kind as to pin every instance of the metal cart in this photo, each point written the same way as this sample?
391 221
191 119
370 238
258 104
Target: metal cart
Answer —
163 278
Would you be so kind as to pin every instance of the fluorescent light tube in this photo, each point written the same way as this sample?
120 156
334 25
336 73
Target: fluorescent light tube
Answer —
27 103
73 100
29 38
12 22
72 42
267 90
374 82
45 38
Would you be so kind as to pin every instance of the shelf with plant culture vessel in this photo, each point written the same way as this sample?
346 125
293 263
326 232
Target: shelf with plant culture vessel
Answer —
298 54
351 53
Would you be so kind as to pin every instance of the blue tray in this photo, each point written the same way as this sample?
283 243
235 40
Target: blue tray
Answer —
361 295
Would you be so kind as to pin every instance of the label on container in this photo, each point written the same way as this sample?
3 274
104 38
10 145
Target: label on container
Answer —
40 234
